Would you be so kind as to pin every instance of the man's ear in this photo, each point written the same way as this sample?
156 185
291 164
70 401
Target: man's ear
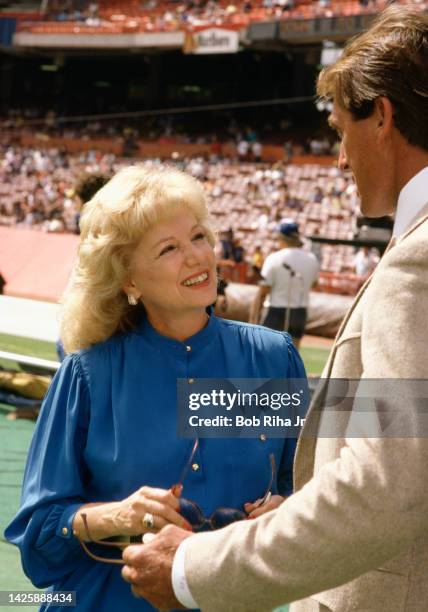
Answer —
384 116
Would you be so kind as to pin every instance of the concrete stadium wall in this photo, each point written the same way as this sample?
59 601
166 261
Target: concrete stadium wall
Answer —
34 264
29 318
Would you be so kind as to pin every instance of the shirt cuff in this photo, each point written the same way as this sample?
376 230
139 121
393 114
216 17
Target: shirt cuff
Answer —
65 524
179 581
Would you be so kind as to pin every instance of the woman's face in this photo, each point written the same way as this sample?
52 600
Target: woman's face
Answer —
172 270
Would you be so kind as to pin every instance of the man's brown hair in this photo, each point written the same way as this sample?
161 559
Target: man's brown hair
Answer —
89 183
391 60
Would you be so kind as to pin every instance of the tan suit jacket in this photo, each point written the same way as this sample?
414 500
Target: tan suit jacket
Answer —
354 536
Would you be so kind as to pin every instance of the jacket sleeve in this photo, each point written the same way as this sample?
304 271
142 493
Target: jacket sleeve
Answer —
54 480
366 507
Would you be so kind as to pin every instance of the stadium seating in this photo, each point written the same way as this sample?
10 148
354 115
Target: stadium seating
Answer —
121 16
36 192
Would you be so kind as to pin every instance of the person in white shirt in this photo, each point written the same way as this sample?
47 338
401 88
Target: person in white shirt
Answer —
257 150
288 276
242 149
365 261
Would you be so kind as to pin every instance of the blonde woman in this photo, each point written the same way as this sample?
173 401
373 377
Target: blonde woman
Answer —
105 452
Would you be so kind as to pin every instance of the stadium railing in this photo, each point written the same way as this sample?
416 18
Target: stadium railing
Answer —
36 362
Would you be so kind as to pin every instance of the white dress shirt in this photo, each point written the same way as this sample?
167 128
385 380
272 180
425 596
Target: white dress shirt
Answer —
179 582
411 200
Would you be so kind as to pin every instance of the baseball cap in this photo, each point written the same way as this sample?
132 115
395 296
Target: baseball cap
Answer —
288 227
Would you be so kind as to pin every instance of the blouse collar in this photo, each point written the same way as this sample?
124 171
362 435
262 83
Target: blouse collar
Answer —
199 340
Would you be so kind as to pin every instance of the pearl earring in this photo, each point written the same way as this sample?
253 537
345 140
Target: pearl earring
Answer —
132 301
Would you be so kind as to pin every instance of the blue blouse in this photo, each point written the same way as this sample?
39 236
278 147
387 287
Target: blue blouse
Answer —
108 426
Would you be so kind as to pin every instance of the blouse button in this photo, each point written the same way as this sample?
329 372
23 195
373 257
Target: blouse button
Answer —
191 381
188 348
64 531
263 437
195 467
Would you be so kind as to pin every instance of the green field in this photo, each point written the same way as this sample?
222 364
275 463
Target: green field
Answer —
14 441
314 359
26 346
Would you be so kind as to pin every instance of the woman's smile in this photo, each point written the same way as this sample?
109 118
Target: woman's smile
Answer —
196 281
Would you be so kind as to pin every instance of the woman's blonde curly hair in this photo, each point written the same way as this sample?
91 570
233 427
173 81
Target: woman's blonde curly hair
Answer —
112 225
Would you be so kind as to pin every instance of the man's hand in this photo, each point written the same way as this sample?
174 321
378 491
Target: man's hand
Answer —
148 567
256 509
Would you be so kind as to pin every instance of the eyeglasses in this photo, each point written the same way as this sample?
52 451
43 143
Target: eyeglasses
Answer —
117 545
221 517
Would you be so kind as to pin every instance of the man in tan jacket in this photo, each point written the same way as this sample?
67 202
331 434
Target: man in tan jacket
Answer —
354 535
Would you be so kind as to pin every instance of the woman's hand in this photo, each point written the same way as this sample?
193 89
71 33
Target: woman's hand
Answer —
256 509
162 504
126 517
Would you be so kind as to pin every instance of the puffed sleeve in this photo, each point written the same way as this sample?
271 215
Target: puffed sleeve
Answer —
297 373
53 487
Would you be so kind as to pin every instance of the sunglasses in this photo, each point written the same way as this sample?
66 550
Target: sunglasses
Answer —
116 545
221 517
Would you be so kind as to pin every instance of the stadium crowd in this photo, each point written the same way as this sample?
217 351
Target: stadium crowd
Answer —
296 139
37 190
169 15
37 186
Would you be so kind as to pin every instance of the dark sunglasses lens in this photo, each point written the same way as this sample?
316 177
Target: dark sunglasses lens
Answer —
226 516
191 512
